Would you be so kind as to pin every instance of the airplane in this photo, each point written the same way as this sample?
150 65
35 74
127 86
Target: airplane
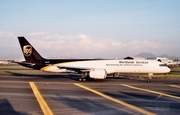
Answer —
1 62
89 68
5 62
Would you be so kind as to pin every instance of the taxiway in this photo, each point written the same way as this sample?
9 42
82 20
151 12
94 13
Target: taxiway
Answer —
37 94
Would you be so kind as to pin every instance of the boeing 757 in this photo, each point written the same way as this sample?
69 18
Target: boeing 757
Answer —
89 68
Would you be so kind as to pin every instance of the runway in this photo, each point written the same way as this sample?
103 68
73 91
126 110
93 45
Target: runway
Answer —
33 93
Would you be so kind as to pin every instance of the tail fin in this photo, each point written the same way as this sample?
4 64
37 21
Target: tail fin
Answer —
30 54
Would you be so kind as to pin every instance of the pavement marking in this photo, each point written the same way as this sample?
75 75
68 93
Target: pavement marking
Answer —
46 110
151 91
115 100
5 81
14 81
175 86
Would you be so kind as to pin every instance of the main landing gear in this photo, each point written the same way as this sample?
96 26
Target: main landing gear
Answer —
84 77
149 77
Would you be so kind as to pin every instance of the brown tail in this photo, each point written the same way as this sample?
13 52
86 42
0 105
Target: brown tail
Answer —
30 54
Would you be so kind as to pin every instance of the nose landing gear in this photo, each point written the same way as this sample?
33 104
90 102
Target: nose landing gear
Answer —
149 77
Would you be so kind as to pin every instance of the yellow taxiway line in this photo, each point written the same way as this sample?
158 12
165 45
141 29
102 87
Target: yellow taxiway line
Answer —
175 86
46 110
151 91
4 81
115 100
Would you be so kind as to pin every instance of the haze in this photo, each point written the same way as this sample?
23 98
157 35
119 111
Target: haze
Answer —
90 28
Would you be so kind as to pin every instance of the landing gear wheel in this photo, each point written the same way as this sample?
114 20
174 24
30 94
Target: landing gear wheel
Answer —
150 77
148 80
80 79
84 79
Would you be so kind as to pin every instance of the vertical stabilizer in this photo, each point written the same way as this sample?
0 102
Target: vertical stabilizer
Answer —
30 54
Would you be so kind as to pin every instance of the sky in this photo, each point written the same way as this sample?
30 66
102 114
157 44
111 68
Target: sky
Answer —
90 28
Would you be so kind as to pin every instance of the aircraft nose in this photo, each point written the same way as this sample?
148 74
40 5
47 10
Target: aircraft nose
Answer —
168 70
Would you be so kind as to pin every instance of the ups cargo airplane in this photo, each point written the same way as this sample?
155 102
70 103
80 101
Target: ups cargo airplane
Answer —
90 68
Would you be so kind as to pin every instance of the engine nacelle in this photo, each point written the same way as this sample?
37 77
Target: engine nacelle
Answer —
98 74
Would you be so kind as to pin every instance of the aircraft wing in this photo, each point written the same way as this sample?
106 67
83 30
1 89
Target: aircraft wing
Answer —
88 72
76 69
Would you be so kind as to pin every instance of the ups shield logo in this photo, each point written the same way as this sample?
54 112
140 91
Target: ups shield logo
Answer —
27 50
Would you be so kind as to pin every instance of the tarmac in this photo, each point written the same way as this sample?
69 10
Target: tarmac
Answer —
28 92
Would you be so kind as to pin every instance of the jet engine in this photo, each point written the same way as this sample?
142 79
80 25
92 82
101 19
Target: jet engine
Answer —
98 74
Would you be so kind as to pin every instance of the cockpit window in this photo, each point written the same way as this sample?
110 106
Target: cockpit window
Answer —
162 65
159 60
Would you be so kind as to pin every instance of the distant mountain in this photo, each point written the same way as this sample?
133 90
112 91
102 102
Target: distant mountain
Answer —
147 55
